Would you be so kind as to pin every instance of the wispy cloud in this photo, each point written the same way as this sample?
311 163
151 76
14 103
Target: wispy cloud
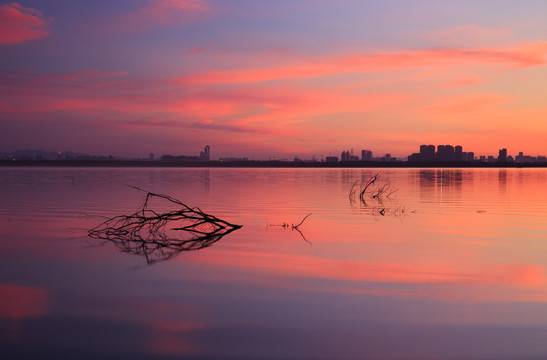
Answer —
523 56
19 24
470 35
157 14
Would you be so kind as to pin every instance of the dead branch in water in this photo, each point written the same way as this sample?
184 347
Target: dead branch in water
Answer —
294 227
145 232
372 195
367 185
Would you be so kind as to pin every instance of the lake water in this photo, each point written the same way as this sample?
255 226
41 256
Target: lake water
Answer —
451 265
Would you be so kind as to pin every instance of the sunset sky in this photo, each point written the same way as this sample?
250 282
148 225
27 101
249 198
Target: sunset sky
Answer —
273 78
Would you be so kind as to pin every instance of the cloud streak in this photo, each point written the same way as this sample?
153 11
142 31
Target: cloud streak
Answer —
19 24
523 56
156 14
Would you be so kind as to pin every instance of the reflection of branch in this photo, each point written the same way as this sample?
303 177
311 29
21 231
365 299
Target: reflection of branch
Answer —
295 227
144 232
303 237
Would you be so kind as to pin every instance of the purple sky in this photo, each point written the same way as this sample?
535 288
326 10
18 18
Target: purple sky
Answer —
284 78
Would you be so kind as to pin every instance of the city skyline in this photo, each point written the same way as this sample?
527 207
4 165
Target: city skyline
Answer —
305 78
427 153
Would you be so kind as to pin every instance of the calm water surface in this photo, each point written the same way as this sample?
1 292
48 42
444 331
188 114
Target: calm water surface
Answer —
452 265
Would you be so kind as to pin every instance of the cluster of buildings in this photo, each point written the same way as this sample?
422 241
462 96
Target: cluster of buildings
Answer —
448 153
205 155
366 155
442 153
428 153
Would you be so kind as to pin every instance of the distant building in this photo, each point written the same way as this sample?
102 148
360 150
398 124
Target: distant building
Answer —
502 157
445 153
427 152
151 156
347 156
468 156
331 159
415 157
458 151
206 153
366 155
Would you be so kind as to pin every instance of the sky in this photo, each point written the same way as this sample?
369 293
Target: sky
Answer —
280 78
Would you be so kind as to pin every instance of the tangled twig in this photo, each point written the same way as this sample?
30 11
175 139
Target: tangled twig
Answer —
372 195
145 232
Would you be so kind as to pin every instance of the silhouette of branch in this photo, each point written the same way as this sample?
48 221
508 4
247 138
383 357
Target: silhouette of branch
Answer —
146 231
304 219
373 194
295 227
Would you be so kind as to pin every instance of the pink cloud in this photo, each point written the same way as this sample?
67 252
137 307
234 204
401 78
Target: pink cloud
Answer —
19 24
159 13
469 34
523 56
197 51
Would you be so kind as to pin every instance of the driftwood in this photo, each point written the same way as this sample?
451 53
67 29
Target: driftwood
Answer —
160 235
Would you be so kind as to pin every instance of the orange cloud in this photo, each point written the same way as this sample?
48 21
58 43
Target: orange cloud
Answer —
524 56
468 103
19 24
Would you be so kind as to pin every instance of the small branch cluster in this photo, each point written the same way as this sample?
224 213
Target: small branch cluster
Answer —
145 232
375 195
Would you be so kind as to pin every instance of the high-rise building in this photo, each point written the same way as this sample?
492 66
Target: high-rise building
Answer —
502 157
427 152
206 153
348 156
445 153
458 150
366 155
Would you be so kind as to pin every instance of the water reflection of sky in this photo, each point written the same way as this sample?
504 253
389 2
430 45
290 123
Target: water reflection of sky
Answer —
460 275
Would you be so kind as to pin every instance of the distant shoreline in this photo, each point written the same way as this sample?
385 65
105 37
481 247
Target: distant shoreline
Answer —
261 164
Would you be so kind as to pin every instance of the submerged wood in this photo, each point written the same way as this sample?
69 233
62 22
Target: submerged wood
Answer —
159 235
